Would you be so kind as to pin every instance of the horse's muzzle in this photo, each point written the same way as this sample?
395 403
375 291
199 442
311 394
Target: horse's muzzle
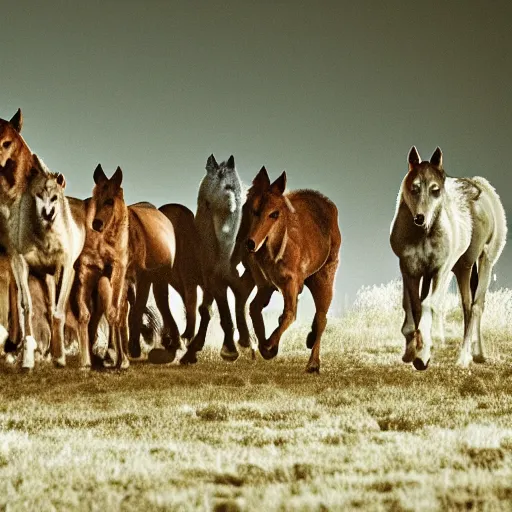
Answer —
97 225
419 219
250 245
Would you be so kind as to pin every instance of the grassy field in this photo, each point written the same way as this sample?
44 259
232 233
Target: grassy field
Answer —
368 433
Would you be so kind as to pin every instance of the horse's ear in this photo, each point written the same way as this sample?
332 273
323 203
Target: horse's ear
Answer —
17 120
261 180
413 158
99 175
279 186
211 164
61 180
231 162
117 177
437 158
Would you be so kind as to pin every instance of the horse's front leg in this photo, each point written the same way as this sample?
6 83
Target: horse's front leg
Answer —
117 284
20 270
290 293
84 300
242 288
429 308
412 307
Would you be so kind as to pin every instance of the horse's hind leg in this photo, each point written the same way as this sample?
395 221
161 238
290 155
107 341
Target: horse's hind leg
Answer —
142 288
171 335
197 343
321 286
188 292
474 328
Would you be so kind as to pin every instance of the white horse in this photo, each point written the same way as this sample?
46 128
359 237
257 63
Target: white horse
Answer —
444 224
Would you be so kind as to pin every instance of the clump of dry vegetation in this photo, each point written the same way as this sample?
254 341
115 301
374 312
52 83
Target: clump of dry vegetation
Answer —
368 433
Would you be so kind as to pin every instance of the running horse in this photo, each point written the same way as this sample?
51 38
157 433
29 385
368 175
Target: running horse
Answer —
294 240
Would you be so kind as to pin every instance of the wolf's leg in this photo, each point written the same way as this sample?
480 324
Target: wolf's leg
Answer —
411 304
59 315
20 270
477 309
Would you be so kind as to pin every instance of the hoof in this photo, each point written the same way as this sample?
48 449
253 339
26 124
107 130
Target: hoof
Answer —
190 357
313 368
479 359
245 342
84 369
29 348
228 355
125 364
268 352
161 356
59 362
134 350
408 358
419 365
310 340
10 359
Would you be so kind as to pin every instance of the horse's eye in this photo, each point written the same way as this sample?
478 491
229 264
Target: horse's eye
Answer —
54 198
415 190
274 215
435 191
109 202
7 143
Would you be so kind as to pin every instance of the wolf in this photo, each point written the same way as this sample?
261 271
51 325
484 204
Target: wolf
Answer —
218 217
443 224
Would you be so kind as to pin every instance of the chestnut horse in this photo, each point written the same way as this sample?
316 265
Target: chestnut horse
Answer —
294 239
184 276
121 242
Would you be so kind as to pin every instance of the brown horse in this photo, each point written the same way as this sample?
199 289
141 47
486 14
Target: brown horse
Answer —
121 242
184 276
294 239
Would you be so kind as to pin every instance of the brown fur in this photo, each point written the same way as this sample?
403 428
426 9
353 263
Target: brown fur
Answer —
184 276
121 242
294 239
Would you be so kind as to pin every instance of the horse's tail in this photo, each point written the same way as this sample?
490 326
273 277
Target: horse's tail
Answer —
151 323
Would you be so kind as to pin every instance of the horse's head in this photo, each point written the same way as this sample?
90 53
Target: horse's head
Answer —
268 206
107 198
423 187
47 189
10 139
223 189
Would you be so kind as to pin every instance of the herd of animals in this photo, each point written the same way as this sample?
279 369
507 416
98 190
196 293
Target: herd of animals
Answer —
66 264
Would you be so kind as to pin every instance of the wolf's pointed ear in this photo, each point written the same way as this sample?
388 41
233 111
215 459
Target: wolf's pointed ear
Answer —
17 120
413 158
231 162
61 180
211 164
437 158
117 177
279 186
99 175
261 180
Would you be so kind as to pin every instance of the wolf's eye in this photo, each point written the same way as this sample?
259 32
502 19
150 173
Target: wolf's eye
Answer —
274 215
53 199
109 202
435 191
415 190
7 143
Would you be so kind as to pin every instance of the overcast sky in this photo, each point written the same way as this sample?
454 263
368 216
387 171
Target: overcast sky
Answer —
336 93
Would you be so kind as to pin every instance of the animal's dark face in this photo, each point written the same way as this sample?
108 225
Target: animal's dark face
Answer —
223 184
423 188
10 140
107 198
266 206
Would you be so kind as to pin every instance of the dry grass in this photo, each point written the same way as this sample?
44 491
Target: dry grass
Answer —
368 433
